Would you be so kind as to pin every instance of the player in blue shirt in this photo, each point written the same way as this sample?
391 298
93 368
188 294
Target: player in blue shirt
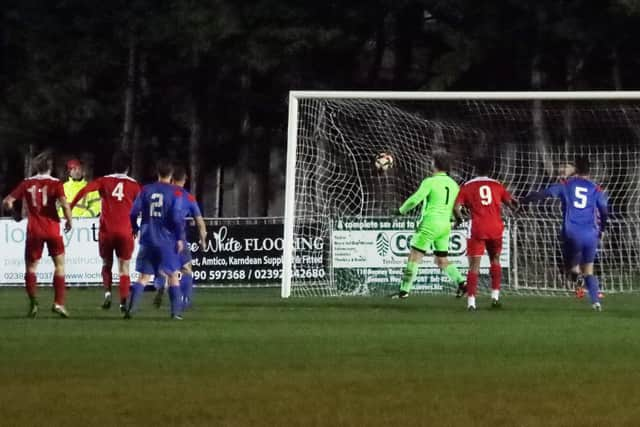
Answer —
161 237
190 209
585 213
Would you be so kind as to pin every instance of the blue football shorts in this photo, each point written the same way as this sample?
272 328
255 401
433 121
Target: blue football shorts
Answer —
579 248
152 259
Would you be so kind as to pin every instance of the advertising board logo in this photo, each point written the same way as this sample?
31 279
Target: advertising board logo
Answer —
400 243
382 244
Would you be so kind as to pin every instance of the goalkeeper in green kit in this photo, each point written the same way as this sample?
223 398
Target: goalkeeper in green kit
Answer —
437 194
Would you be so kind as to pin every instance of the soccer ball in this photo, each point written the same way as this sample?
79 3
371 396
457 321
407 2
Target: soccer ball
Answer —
384 161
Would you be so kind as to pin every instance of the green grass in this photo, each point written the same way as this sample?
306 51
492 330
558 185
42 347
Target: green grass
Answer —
250 358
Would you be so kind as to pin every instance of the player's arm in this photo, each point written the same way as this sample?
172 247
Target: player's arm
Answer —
92 186
176 219
194 211
94 204
8 202
554 190
416 198
509 201
16 193
603 209
458 206
136 209
66 210
202 230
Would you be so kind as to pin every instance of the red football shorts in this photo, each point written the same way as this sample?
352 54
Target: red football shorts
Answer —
476 247
35 244
121 243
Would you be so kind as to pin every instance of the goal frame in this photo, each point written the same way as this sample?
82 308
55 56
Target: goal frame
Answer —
292 135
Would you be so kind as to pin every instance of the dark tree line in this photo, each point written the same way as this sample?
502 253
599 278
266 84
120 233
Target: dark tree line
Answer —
207 81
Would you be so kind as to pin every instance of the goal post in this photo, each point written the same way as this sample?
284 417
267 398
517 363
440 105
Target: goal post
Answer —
341 236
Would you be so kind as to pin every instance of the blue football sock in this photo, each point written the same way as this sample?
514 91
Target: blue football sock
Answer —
592 286
175 298
136 294
186 287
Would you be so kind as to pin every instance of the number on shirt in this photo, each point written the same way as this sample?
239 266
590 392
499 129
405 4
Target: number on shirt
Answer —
118 191
446 202
155 209
485 195
581 195
33 190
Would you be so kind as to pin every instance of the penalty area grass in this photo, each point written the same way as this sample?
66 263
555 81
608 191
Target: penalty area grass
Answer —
247 357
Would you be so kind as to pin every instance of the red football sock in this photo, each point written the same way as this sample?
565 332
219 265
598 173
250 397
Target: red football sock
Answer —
30 282
107 278
58 289
495 271
472 283
125 284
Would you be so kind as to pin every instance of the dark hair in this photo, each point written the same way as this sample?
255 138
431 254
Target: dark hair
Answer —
164 168
484 165
442 161
43 162
179 173
121 161
582 165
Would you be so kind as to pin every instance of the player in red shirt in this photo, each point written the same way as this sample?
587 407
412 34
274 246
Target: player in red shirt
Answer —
483 197
40 194
117 192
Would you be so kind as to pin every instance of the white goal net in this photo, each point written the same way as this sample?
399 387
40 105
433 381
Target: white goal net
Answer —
337 196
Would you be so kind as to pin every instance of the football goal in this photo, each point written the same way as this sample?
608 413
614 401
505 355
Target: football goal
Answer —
354 157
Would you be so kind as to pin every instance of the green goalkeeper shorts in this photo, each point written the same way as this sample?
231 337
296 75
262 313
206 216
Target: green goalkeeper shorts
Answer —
430 233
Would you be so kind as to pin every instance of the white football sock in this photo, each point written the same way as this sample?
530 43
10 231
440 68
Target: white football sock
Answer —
471 301
495 294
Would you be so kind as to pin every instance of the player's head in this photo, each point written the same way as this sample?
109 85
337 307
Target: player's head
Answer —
43 162
164 169
484 166
179 177
441 161
582 165
567 169
120 162
75 170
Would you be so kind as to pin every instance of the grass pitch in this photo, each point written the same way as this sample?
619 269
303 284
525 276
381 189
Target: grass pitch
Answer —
249 358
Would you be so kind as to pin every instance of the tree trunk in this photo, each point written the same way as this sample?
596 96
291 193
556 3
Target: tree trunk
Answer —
211 200
540 139
615 69
574 66
277 171
130 95
198 101
407 28
380 46
242 166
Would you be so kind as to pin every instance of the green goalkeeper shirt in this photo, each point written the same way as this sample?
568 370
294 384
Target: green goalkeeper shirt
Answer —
437 194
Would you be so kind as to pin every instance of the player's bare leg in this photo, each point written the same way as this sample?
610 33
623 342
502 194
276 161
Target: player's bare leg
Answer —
30 279
591 282
495 272
409 274
576 281
472 281
124 284
107 280
59 286
452 272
